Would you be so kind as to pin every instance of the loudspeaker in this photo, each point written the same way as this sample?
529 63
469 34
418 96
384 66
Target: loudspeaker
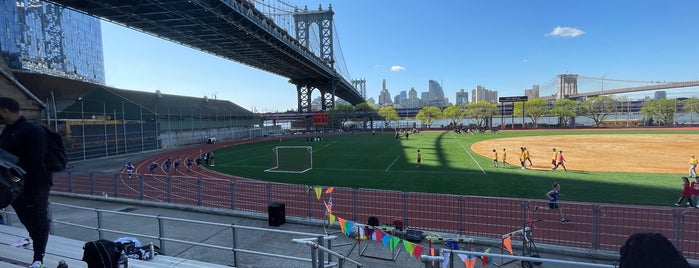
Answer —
277 214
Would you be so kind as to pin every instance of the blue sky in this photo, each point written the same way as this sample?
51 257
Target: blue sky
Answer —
506 46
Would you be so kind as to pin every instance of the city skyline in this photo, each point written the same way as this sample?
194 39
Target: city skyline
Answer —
488 46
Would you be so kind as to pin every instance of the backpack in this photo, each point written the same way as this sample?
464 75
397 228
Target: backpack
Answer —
11 179
56 158
102 254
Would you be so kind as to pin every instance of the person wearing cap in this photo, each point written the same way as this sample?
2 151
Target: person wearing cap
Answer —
693 166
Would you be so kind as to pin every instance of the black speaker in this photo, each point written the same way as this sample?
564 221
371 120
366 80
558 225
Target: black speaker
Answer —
277 214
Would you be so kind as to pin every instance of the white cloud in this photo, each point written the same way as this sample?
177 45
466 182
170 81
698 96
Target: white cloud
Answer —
397 68
525 60
565 32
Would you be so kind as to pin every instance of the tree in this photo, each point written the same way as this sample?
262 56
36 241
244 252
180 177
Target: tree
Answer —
455 113
534 109
341 113
428 115
597 108
565 109
661 111
481 111
368 111
388 114
691 105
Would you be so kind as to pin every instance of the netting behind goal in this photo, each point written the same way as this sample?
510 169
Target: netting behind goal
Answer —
292 159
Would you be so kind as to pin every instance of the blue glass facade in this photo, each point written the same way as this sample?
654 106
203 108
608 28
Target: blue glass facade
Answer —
44 38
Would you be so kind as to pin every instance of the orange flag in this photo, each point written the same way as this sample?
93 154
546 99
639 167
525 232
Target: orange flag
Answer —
507 243
329 190
342 224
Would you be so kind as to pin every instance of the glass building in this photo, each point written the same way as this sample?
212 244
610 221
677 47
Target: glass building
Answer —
49 39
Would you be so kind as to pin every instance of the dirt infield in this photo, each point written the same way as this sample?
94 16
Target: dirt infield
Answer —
654 153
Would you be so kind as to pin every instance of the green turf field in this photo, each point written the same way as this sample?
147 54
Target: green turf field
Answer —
449 166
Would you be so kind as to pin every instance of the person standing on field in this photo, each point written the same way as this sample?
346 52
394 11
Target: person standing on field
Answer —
504 157
419 158
495 158
686 193
692 166
523 158
560 162
554 158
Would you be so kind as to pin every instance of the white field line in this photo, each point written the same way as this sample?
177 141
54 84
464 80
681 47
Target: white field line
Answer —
394 161
469 154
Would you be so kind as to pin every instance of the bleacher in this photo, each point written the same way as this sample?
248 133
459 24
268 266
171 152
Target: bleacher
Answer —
71 251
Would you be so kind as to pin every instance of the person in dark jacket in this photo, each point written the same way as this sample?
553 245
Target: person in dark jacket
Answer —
28 142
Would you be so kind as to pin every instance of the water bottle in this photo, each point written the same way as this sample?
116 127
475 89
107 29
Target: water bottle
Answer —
62 264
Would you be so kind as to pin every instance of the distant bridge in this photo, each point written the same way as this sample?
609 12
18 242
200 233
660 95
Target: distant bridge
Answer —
567 86
236 30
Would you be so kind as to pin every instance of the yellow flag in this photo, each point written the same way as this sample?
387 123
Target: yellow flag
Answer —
331 218
319 190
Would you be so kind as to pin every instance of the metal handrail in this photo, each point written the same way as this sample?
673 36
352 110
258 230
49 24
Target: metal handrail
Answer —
315 245
161 237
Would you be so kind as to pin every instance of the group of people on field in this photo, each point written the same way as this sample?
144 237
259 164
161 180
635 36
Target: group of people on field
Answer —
169 165
557 160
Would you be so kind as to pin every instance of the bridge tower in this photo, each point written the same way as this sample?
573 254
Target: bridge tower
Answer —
303 21
567 85
360 84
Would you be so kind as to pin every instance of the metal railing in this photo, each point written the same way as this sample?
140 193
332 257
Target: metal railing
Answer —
526 261
595 226
318 241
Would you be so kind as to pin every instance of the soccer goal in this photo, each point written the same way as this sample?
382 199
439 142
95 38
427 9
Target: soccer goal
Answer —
292 159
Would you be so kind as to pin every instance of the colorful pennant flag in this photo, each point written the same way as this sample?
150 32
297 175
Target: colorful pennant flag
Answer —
393 242
409 247
330 190
308 189
417 251
361 235
385 239
328 208
446 255
507 243
377 235
342 224
331 219
319 191
469 260
485 260
348 227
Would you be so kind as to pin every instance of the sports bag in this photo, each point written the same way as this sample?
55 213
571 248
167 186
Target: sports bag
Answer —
103 254
11 178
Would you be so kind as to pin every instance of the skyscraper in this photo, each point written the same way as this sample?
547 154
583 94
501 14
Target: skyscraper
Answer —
49 39
461 97
385 96
483 94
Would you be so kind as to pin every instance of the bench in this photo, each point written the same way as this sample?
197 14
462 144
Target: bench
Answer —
71 251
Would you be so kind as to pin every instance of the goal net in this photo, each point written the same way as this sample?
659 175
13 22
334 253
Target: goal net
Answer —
292 159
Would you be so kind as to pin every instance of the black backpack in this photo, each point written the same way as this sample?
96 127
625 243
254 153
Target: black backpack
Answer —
102 254
56 158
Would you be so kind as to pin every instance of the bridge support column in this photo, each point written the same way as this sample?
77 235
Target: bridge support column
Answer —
328 100
304 98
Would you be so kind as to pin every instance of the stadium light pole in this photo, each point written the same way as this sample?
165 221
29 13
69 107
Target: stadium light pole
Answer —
605 75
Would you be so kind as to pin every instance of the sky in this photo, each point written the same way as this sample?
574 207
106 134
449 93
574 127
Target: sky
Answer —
507 46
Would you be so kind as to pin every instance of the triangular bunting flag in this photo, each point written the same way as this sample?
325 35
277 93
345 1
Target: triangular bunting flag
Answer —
394 242
417 251
445 263
331 218
361 235
330 190
348 227
370 232
385 239
470 261
319 191
507 243
308 189
409 247
377 236
342 224
328 208
485 260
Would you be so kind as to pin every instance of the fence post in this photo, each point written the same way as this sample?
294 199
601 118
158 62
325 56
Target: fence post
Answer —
169 188
405 209
200 193
92 183
462 226
116 184
233 195
234 234
141 187
161 233
309 212
99 224
596 221
70 182
355 204
677 228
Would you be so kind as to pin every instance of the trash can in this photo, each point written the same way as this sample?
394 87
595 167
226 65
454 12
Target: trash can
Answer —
277 214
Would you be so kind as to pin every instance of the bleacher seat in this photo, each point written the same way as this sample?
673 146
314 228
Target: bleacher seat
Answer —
71 251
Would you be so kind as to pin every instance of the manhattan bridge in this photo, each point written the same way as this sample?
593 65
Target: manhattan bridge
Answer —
299 43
